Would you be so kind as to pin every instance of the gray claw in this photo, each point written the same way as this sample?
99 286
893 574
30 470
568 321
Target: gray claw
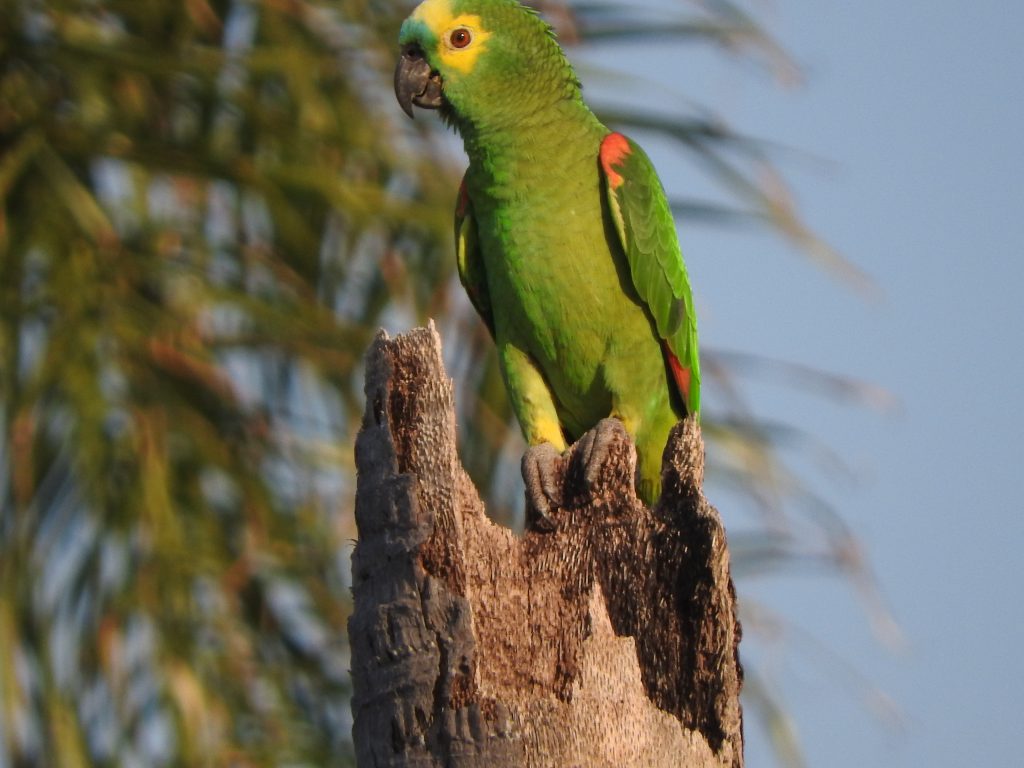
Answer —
594 446
543 485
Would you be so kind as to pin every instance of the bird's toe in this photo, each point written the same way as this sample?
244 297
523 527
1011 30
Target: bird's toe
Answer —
542 474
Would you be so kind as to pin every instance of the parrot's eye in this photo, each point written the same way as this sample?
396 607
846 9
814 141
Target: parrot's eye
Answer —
460 38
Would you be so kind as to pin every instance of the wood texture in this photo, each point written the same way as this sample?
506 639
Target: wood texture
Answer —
608 641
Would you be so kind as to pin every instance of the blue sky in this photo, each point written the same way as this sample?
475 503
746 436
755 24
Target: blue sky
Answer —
910 124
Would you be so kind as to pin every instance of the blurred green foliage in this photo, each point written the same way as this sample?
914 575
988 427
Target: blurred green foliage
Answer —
208 207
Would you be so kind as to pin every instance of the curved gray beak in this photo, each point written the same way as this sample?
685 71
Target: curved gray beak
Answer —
415 82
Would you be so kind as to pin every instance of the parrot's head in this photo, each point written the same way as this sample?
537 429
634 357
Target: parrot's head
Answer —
481 62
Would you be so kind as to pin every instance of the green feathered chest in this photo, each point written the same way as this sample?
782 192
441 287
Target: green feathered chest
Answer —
545 246
556 276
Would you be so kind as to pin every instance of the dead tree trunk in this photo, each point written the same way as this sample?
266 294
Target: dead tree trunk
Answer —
608 641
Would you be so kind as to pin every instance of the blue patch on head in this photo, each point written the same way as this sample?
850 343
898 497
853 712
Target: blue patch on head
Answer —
414 31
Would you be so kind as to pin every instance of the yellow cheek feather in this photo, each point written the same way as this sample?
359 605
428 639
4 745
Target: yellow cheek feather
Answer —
437 15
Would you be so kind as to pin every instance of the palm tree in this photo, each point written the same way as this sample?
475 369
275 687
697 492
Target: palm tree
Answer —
208 208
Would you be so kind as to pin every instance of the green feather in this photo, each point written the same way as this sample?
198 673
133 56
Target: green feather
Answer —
468 260
643 220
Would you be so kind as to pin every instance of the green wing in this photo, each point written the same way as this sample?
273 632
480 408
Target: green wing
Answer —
647 233
468 259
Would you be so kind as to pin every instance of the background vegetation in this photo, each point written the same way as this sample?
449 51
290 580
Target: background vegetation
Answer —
208 208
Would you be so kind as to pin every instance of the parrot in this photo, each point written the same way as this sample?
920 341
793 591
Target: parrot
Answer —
565 241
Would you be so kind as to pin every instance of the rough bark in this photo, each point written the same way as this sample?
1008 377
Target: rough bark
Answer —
608 641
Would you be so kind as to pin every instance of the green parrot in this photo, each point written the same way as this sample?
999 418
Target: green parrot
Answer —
565 241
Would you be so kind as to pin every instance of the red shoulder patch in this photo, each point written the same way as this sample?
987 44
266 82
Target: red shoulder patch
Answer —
679 373
462 204
614 149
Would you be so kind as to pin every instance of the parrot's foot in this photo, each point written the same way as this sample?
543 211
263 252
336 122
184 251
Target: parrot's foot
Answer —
543 480
595 463
595 446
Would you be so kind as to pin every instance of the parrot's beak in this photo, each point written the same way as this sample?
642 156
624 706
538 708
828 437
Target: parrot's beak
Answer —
415 82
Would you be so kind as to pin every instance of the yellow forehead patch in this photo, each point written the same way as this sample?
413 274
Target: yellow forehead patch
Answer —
434 13
437 15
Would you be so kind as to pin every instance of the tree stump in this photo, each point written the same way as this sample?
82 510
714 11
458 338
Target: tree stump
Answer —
607 639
